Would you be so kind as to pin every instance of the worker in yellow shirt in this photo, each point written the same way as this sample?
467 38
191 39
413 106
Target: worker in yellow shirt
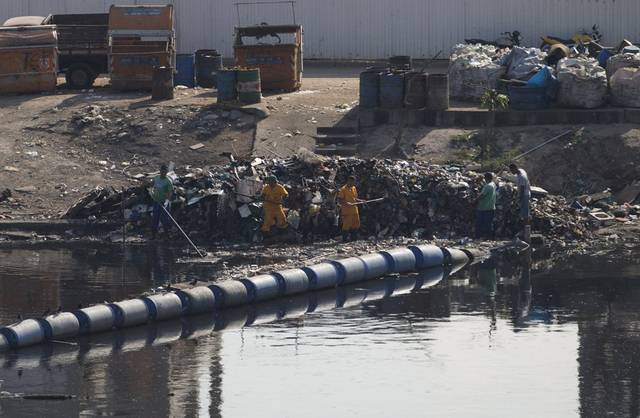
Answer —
274 195
348 199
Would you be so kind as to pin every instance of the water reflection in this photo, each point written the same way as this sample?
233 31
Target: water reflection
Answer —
526 330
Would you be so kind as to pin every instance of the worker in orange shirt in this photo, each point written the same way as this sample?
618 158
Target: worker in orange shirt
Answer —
274 195
348 199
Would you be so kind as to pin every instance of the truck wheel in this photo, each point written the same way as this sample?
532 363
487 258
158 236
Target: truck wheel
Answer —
80 76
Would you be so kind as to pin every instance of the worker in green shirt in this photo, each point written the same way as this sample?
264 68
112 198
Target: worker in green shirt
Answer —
162 193
486 207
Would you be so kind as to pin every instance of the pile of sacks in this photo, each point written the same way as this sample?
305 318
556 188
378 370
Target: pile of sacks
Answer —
422 201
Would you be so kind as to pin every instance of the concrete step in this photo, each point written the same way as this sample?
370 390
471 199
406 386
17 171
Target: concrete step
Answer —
342 150
351 128
337 139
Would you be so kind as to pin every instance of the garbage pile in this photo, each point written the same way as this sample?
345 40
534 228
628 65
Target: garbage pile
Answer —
422 200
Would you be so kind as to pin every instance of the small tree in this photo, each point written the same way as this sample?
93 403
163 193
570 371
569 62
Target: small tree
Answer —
492 101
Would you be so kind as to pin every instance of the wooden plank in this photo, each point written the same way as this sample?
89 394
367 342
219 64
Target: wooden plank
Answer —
197 146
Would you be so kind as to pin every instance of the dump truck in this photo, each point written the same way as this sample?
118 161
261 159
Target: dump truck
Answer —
83 44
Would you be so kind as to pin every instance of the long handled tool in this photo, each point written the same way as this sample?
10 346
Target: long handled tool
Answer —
183 233
256 199
176 224
371 201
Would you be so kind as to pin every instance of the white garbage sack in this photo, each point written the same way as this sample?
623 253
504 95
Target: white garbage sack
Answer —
583 84
472 71
622 61
625 88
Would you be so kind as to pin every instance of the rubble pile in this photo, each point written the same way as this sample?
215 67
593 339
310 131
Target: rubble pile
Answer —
422 200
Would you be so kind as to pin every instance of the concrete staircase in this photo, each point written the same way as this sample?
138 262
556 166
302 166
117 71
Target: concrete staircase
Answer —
337 140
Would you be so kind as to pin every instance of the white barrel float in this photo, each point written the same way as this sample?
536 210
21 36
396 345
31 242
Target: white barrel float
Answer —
60 326
427 256
454 256
323 300
377 289
400 260
350 270
4 343
130 313
164 306
292 281
404 285
322 276
231 318
198 326
95 319
24 333
197 300
429 277
229 293
261 287
376 265
295 306
265 312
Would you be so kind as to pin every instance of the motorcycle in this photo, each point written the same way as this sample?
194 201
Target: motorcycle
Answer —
507 40
578 40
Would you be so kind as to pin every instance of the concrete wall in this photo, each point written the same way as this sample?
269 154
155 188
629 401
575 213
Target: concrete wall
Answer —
375 29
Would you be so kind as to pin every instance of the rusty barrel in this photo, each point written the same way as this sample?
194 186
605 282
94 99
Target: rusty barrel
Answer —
438 92
162 83
249 90
415 87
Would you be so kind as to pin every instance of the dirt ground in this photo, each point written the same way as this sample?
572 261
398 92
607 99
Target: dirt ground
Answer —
56 147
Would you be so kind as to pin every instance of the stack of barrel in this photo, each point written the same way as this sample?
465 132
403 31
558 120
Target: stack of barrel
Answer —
241 84
206 299
398 85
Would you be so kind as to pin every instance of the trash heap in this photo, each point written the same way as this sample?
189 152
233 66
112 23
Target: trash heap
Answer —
422 201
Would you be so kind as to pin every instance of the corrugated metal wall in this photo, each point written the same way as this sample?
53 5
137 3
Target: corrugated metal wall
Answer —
359 29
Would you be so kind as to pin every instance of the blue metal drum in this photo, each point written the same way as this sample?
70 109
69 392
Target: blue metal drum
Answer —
261 287
229 293
292 281
322 276
400 260
427 256
350 270
392 91
376 265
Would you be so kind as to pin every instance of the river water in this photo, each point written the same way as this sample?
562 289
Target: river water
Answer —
503 338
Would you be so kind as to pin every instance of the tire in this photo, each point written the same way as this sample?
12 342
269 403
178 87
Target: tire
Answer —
80 76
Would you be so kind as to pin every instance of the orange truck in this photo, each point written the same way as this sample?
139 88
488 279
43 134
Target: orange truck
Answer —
28 59
82 43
